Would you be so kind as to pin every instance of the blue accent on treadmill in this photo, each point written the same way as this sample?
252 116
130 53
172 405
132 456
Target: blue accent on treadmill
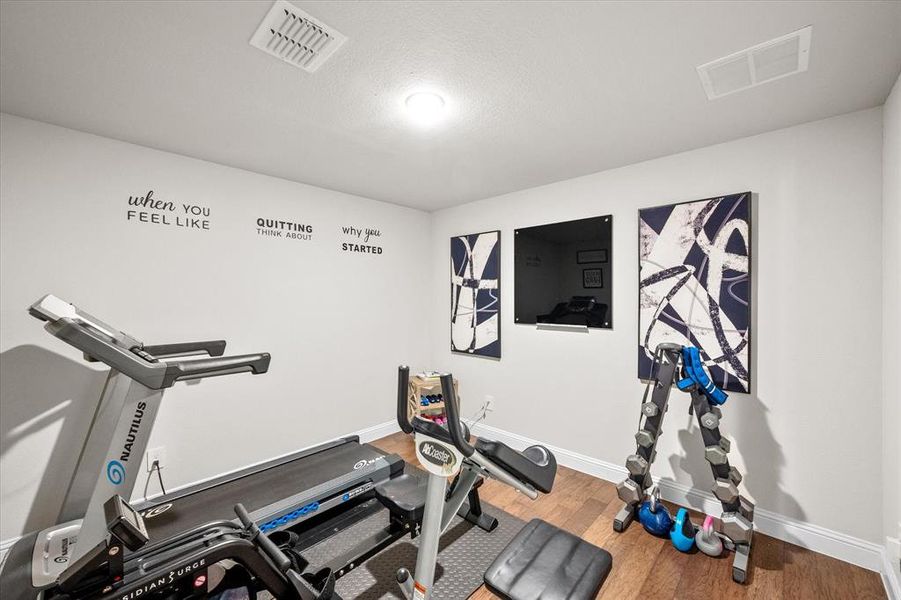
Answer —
694 369
291 516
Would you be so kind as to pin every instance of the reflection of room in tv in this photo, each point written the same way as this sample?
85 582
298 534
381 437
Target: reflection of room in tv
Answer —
562 273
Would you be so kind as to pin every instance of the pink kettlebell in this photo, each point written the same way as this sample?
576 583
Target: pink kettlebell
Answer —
708 540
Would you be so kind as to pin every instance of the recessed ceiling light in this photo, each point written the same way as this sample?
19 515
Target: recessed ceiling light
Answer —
425 108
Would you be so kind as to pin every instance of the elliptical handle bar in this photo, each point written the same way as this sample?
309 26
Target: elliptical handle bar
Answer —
403 384
454 425
282 562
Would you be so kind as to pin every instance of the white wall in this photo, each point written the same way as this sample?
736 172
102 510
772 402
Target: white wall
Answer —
801 437
808 437
891 331
336 323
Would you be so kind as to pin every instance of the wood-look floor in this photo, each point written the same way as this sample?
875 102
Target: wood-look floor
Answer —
648 567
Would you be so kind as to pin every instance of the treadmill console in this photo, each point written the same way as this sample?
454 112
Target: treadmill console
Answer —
125 523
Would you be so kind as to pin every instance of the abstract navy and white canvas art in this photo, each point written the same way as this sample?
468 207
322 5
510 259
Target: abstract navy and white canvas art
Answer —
695 284
476 294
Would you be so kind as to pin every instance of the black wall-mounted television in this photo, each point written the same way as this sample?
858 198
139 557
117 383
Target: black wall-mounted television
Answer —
563 273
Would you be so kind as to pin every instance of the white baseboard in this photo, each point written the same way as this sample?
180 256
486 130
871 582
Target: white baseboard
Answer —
377 431
367 434
891 557
838 545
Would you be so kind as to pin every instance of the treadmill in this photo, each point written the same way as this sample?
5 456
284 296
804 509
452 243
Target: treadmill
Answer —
280 493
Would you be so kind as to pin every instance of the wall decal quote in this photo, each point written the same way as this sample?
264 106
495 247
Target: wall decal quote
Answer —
361 234
288 230
165 212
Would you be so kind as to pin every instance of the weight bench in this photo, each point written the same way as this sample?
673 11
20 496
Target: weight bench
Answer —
544 562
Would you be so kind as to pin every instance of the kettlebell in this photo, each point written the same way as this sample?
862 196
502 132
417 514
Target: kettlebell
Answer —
653 516
682 533
707 539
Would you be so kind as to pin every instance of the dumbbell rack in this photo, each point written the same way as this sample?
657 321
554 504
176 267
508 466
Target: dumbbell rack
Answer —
737 521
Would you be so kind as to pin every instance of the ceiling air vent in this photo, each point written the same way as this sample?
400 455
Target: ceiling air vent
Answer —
295 37
769 61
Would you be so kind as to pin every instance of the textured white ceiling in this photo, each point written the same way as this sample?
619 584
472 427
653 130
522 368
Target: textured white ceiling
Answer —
537 91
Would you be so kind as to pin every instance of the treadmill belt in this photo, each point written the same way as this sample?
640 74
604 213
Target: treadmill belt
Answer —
254 491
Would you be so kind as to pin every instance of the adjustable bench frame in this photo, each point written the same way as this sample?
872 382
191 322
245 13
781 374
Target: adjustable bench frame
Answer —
676 365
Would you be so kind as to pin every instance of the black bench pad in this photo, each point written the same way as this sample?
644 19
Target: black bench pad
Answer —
404 496
544 562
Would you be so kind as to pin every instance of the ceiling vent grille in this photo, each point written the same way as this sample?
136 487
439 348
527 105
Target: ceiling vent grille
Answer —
295 37
769 61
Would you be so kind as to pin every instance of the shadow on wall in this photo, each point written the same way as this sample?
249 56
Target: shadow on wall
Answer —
763 461
42 390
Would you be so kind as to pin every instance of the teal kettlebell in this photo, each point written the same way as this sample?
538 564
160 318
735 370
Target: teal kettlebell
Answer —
653 516
683 531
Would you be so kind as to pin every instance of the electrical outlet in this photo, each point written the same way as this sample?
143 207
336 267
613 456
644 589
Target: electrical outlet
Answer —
489 403
157 455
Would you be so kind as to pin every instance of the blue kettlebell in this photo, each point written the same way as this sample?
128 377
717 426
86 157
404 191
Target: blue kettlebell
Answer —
653 516
683 531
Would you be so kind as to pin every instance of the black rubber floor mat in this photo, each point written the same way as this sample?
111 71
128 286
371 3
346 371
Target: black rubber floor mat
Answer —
465 552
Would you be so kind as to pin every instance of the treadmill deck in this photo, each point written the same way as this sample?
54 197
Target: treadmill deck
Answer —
270 484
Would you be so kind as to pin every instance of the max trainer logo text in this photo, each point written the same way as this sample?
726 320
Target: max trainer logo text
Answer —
115 469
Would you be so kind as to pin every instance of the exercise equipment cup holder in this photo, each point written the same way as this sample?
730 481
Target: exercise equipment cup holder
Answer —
682 367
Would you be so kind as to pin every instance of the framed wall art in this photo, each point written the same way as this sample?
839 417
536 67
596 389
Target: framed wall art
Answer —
476 294
694 284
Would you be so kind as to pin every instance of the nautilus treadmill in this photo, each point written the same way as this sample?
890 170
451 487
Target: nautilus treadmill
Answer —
279 493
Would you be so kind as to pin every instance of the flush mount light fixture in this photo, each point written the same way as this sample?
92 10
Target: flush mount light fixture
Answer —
425 108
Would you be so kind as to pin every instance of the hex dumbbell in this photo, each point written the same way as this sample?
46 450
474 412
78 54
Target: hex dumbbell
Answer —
725 490
734 475
715 455
746 507
737 528
649 409
636 465
644 438
628 492
710 420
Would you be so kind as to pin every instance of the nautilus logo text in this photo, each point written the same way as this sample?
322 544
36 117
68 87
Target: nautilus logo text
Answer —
365 463
115 472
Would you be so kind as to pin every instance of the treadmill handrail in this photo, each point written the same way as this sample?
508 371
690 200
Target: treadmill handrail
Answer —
212 367
209 348
101 342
